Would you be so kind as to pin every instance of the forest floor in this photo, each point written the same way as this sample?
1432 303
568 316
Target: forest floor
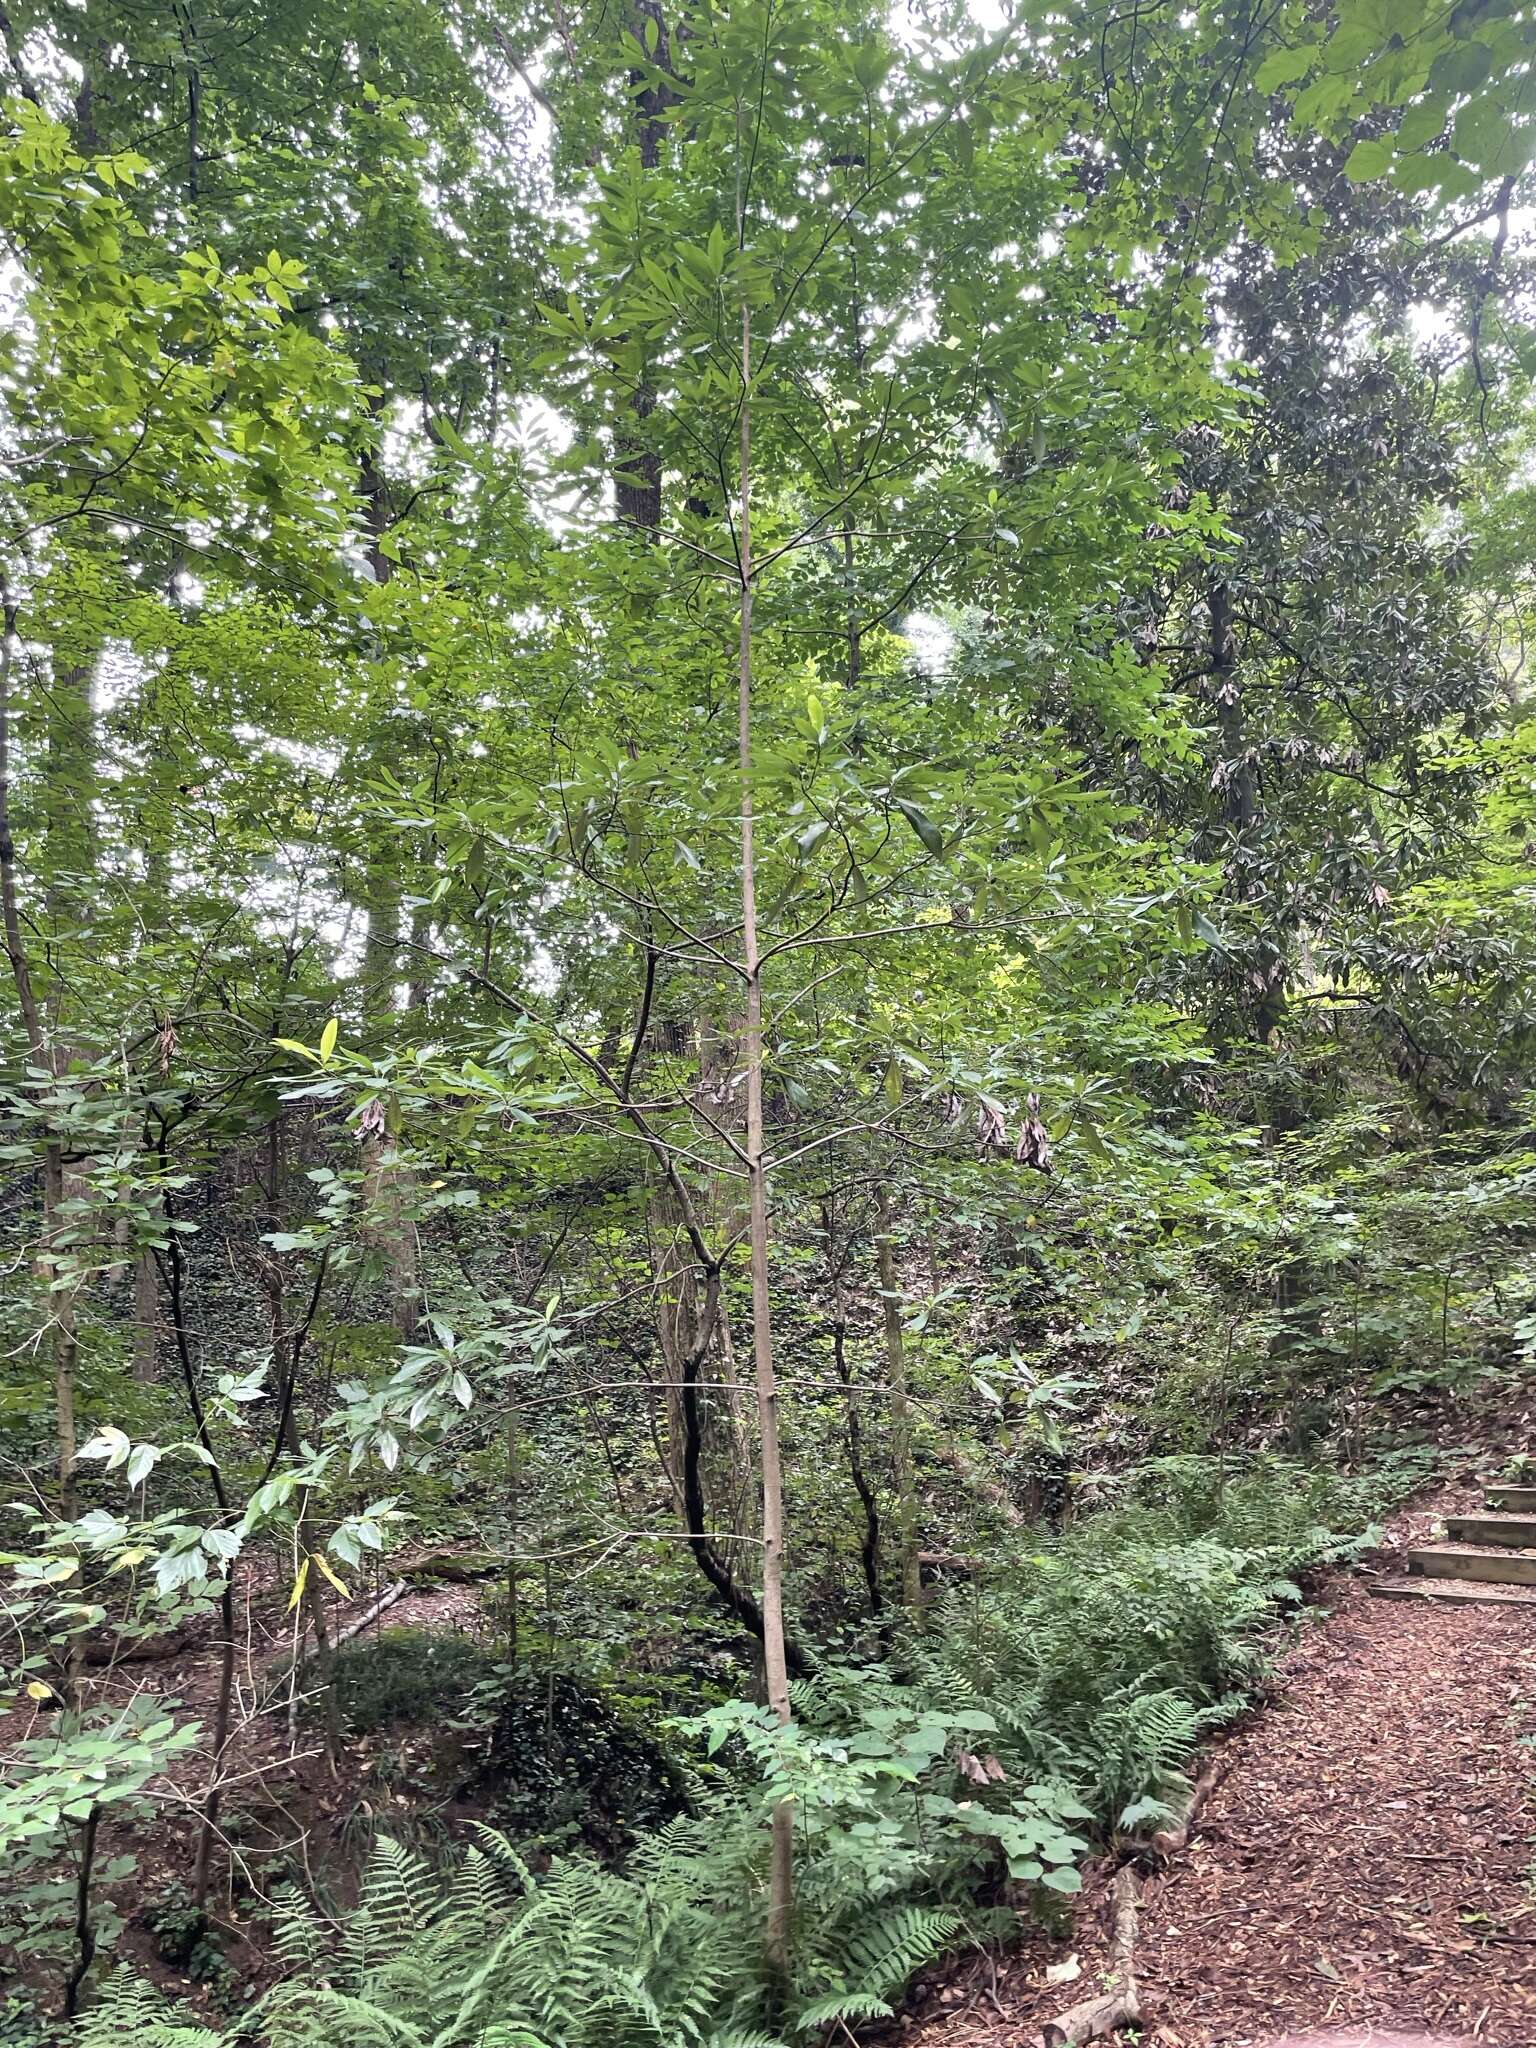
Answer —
1365 1856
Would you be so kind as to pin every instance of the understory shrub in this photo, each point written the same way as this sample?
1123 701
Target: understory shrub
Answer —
496 1956
564 1765
408 1674
1110 1650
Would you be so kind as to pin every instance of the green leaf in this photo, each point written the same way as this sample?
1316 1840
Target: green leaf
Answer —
1368 160
1284 67
929 833
141 1464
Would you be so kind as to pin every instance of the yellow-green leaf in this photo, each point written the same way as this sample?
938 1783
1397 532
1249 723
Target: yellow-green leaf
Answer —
325 1568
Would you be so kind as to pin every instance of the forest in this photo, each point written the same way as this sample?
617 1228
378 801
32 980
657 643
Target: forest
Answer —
766 816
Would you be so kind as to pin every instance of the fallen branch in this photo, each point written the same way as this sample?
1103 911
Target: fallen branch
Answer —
386 1599
457 1566
355 1627
947 1561
150 1651
285 1656
1118 2004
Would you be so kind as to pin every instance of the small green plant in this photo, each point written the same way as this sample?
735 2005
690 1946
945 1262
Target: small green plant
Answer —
671 1952
184 1939
23 2025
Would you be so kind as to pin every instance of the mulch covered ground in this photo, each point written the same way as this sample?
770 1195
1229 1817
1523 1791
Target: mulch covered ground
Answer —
1366 1856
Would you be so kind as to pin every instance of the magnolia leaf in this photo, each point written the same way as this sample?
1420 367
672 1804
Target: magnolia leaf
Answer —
110 1444
328 1037
1283 67
926 830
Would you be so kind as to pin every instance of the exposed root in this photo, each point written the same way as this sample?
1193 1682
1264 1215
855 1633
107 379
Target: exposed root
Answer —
1118 2005
1168 1841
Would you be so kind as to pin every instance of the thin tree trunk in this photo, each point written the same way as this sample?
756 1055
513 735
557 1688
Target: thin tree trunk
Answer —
775 1668
208 1832
146 1316
513 1480
61 1301
869 1545
391 1183
286 1353
902 1475
85 1934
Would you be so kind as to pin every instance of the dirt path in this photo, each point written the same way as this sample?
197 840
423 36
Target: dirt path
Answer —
1366 1856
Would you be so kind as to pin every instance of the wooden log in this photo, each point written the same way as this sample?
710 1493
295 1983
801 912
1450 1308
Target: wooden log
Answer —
386 1599
1118 2005
148 1651
460 1567
947 1561
281 1664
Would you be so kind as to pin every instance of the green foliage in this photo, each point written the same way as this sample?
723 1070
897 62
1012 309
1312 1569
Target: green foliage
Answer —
1066 492
1105 1657
576 1957
408 1674
85 1761
186 1940
1096 1668
564 1765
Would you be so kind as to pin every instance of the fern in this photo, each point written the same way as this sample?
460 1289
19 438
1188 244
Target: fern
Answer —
133 2011
1095 1666
843 2005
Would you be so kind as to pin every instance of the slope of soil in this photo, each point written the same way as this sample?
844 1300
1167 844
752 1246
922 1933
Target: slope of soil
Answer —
1364 1859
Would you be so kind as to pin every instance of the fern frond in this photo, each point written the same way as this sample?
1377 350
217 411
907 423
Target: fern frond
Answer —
131 2010
848 2005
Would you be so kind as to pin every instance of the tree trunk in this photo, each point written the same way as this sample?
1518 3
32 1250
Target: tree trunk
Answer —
61 1301
208 1832
869 1544
146 1316
902 1474
775 1668
390 1183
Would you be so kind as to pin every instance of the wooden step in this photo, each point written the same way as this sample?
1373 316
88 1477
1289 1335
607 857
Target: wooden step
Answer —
1518 1500
1516 1532
1453 1591
1498 1566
